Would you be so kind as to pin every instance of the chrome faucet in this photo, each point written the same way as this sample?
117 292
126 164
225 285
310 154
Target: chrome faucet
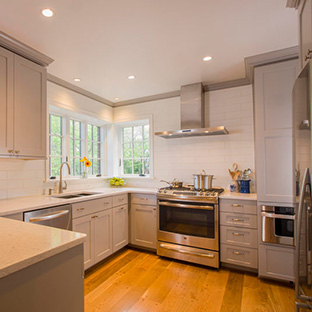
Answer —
61 187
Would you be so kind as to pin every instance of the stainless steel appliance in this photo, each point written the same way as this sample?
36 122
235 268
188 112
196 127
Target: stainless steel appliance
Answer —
188 225
278 225
303 258
59 217
303 262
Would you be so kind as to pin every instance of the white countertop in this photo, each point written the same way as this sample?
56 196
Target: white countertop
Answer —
21 204
239 196
23 244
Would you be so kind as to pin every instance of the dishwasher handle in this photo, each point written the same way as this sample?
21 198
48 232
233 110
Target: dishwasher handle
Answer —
49 216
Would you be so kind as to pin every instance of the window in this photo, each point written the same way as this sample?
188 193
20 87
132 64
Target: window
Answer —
94 149
55 144
75 147
135 154
75 135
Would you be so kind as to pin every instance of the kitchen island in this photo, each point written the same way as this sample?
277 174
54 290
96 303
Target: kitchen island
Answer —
41 268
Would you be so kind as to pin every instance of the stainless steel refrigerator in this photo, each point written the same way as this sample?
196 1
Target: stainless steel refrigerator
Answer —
303 260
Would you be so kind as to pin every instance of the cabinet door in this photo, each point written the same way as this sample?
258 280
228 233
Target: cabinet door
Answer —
143 226
6 101
30 108
305 30
84 225
120 227
103 231
276 262
274 132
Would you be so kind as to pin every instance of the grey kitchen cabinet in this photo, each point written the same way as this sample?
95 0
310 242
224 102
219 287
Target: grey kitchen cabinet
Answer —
238 233
96 220
120 222
276 262
305 32
143 221
23 107
274 133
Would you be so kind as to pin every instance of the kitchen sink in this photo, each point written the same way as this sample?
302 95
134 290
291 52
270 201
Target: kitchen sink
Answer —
76 195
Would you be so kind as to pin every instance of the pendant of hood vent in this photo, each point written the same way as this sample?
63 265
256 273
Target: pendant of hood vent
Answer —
192 115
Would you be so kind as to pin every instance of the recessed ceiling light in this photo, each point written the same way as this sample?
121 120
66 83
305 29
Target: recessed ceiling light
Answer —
207 58
77 79
131 77
117 98
47 12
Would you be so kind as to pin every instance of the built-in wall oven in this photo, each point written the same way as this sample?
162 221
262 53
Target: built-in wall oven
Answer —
188 227
278 225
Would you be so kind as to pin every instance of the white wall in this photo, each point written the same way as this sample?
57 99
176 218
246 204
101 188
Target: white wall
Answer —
180 158
174 158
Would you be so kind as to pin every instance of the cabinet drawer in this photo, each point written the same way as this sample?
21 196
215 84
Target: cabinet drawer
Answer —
91 206
143 199
238 206
120 200
241 220
238 236
246 257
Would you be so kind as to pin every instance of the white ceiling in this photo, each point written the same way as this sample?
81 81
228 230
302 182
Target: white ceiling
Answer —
161 42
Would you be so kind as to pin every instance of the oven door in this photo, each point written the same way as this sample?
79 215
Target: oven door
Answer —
188 223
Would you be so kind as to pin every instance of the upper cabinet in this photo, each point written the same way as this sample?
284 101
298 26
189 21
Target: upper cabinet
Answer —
23 107
305 31
274 134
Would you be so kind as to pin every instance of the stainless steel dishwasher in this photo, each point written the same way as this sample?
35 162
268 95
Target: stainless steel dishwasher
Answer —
58 217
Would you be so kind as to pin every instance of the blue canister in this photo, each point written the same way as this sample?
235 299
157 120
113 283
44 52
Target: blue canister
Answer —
244 186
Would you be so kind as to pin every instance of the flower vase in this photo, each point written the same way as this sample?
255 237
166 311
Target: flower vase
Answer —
84 175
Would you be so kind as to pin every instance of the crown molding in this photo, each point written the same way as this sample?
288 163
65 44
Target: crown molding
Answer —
150 98
24 50
268 58
226 84
79 90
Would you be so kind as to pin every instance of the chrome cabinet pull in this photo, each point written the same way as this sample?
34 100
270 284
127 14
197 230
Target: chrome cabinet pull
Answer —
237 205
93 217
122 208
80 209
16 151
121 199
10 151
238 220
238 253
238 234
106 203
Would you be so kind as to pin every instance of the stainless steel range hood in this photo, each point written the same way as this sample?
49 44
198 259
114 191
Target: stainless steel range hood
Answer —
192 115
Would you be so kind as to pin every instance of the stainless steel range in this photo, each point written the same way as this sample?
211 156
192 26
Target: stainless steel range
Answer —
188 225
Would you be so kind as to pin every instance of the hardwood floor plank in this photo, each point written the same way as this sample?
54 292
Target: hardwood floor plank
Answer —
97 277
135 281
232 298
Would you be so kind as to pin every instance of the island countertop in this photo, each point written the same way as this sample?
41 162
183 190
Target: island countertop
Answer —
23 244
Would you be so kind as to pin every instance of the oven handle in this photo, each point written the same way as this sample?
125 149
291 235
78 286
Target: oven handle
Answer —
169 204
277 216
187 252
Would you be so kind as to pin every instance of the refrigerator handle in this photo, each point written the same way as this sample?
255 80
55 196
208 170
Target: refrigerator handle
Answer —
305 181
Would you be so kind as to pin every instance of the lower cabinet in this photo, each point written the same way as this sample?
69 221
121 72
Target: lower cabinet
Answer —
120 227
276 262
106 226
144 221
98 227
238 233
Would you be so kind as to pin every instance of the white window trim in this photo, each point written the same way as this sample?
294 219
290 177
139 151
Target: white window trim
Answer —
85 120
139 120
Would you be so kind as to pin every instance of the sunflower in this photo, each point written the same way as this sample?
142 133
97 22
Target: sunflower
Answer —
87 163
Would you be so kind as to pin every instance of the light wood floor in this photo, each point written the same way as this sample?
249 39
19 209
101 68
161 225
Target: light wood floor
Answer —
139 281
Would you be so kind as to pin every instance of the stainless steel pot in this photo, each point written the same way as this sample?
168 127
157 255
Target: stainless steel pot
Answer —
174 184
202 181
